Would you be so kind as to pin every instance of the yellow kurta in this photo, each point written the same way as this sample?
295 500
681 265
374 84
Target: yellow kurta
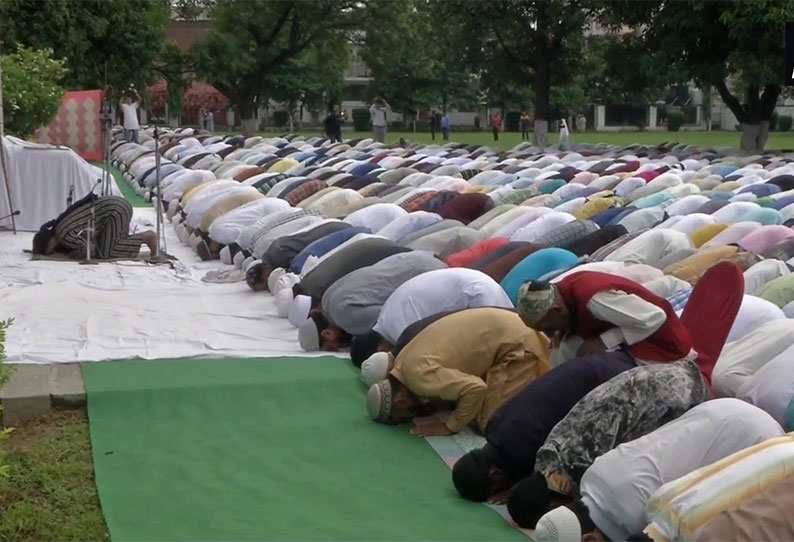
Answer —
478 358
692 267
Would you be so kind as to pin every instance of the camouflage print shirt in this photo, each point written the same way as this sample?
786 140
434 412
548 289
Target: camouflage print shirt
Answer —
631 405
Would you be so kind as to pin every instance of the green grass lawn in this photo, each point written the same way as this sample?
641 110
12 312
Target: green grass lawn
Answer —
50 494
777 140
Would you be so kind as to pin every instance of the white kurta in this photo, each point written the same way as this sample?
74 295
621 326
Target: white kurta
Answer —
618 485
226 229
434 292
741 359
772 386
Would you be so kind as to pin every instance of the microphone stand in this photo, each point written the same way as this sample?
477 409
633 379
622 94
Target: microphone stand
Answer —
160 255
90 230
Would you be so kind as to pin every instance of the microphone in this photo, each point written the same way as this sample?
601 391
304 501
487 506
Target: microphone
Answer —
15 213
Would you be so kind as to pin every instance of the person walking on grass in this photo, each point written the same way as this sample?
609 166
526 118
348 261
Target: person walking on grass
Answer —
496 124
524 126
377 112
445 125
433 122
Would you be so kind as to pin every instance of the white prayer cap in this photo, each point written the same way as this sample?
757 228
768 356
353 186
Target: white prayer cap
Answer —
559 525
288 280
181 233
375 368
276 274
238 260
308 337
194 241
299 310
247 261
247 266
379 401
283 302
226 255
171 212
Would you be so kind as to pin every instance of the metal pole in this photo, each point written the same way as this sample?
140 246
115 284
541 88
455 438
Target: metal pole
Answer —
157 179
3 152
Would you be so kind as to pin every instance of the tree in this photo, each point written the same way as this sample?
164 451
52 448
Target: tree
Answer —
735 47
123 35
539 40
415 57
174 69
306 81
252 39
31 90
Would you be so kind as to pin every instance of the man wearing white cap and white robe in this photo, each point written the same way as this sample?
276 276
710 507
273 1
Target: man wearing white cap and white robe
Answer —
617 486
651 247
375 216
227 228
425 295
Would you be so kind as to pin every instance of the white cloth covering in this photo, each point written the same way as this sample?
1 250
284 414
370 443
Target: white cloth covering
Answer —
618 485
753 313
226 229
128 310
40 178
761 273
651 247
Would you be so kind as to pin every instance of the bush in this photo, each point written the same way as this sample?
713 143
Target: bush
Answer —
675 119
31 93
513 121
361 119
5 374
280 118
784 123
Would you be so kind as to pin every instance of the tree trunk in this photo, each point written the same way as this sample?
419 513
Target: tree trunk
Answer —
754 136
542 102
247 117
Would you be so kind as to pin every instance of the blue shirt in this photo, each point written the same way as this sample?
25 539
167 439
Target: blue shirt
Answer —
534 266
323 245
445 121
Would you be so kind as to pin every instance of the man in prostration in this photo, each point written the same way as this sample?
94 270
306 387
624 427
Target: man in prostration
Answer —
590 312
111 238
616 488
477 358
628 406
352 304
422 296
520 426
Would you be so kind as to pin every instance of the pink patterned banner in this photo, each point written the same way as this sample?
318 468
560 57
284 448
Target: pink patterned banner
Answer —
77 124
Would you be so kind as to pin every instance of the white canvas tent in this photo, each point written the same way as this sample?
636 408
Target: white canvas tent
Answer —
40 178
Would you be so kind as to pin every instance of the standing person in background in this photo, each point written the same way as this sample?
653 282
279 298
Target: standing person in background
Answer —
564 134
377 112
433 121
445 125
524 126
210 121
496 124
203 118
129 108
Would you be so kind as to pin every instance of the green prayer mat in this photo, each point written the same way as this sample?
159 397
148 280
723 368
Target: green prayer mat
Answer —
268 449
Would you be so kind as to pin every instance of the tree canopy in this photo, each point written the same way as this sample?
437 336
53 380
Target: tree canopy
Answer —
252 39
125 36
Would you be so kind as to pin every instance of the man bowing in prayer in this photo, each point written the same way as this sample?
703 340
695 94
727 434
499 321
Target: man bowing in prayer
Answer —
591 312
477 358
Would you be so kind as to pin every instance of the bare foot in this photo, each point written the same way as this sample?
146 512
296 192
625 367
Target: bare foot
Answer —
150 238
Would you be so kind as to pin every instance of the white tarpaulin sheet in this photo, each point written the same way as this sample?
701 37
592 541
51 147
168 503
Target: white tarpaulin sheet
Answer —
68 312
40 177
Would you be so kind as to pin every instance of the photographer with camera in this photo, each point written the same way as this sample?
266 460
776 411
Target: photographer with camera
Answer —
130 102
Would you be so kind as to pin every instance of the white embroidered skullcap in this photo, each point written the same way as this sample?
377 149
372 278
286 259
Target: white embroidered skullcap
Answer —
226 255
283 302
276 274
559 525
